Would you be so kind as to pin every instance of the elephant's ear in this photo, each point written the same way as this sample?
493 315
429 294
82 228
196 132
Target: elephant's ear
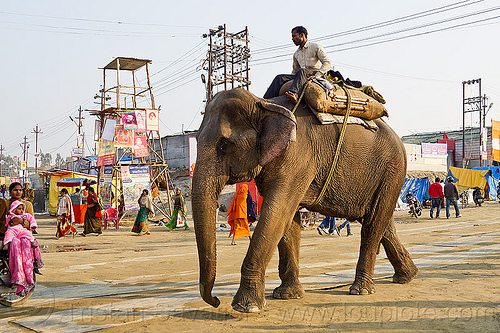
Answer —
278 129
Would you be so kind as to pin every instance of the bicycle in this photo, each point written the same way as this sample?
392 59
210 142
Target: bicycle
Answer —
464 198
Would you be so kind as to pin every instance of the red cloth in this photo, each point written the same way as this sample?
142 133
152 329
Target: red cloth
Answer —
91 198
436 191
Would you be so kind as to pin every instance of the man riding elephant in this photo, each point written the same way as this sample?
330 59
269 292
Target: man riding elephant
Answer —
310 60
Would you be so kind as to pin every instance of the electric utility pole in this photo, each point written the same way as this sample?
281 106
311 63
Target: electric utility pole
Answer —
1 160
36 130
25 147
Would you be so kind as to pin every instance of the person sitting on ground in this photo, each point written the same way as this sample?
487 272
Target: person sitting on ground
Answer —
436 194
310 60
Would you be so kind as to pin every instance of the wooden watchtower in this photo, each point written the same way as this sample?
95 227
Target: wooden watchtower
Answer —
128 92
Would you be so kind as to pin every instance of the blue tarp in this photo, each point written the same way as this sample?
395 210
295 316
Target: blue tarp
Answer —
419 186
492 180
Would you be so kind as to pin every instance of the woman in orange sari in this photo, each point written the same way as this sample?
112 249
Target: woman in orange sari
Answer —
238 215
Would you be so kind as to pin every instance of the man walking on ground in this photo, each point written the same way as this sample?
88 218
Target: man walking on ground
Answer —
327 226
436 194
310 60
451 195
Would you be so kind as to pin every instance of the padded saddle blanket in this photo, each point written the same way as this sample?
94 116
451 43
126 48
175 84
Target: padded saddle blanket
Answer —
329 118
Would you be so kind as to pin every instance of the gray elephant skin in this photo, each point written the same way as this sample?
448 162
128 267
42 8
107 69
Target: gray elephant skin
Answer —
243 137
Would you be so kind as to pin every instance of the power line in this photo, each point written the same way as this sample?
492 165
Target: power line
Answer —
380 24
100 21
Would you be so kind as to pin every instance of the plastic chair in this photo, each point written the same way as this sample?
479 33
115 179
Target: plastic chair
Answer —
111 215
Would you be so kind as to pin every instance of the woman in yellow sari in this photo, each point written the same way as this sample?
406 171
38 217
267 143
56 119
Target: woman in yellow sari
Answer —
238 215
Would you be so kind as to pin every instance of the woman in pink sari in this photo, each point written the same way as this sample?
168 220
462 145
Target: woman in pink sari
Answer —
24 259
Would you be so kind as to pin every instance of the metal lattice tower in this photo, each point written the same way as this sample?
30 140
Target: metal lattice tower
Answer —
471 104
227 60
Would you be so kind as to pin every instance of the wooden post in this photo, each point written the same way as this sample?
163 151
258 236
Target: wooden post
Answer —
117 83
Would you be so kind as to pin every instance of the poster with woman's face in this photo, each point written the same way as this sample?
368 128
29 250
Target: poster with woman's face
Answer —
129 120
141 120
152 120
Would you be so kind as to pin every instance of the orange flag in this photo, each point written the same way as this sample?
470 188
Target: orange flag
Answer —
495 140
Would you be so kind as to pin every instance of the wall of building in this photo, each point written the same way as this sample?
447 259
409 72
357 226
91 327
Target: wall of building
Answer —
176 149
415 161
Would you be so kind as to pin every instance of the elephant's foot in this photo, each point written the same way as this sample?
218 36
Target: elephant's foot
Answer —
406 275
250 297
289 290
362 287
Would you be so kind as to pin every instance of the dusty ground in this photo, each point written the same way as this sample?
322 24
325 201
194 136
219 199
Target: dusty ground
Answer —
121 282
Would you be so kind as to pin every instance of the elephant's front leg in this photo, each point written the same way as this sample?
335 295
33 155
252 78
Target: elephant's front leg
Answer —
273 222
288 248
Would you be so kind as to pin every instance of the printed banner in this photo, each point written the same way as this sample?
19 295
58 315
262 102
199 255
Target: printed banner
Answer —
77 152
123 137
105 153
192 155
129 120
495 140
140 115
140 145
105 188
23 165
83 166
135 178
152 120
434 149
108 132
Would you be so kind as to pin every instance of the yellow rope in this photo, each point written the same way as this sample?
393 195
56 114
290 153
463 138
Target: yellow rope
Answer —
337 150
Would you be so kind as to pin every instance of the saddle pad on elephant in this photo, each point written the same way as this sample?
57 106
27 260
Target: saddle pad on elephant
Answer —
329 118
334 100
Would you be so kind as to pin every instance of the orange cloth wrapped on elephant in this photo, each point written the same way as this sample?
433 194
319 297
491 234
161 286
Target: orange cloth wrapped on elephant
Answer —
237 214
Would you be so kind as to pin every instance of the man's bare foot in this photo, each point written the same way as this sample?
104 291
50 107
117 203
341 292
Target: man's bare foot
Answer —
292 96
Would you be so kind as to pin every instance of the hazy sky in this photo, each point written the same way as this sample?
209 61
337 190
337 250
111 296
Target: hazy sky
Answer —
50 52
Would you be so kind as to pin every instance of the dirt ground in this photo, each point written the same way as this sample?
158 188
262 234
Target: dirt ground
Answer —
120 282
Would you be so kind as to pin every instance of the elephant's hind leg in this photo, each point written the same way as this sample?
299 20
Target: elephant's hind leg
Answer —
404 268
288 248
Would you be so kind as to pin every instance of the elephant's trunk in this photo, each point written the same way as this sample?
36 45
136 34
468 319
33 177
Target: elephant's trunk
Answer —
205 193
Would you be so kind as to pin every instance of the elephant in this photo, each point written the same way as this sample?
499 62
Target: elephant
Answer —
244 137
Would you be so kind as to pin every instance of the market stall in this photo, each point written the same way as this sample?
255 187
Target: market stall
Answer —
77 197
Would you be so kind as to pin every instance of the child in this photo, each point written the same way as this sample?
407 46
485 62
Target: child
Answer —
14 223
23 261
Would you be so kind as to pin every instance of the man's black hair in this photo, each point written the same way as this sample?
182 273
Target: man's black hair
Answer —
300 30
437 180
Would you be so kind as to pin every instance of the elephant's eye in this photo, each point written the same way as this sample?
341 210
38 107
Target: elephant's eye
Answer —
223 147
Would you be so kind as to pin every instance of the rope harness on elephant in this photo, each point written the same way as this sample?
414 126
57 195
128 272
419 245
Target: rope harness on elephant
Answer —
339 142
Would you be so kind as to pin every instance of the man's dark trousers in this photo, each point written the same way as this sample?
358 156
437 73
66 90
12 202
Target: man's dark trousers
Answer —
299 80
436 202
